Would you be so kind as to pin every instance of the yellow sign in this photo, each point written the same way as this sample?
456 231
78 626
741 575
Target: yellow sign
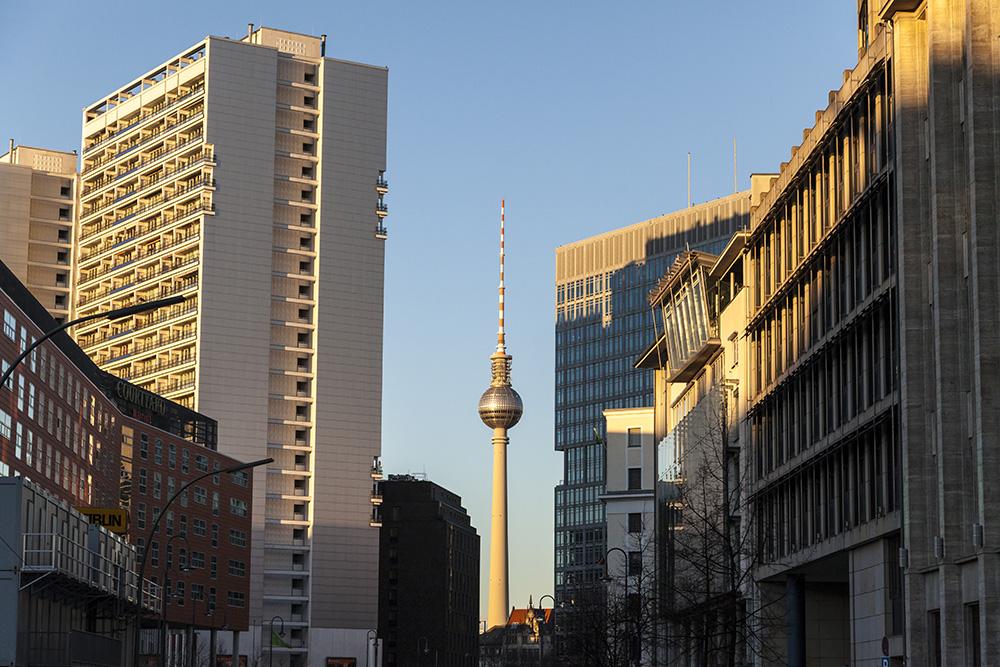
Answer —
115 520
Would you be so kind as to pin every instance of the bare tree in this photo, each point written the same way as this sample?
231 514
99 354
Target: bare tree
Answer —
711 611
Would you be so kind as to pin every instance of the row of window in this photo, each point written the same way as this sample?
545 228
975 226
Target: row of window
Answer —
853 483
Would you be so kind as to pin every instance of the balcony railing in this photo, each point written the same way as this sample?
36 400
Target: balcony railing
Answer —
139 188
155 110
56 553
190 305
164 220
158 201
156 136
173 266
150 251
133 372
153 158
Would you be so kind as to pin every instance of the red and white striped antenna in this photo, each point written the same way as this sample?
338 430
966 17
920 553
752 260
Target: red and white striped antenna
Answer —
501 343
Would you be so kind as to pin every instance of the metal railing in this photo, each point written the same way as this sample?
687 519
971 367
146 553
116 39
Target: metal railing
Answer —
53 552
160 107
159 200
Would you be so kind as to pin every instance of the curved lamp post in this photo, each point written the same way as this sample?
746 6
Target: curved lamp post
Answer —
541 633
145 552
270 638
607 578
116 314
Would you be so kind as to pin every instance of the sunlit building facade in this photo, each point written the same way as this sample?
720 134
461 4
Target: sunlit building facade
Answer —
603 323
37 215
874 300
248 175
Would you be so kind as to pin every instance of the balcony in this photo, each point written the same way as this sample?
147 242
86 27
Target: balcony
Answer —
382 185
156 202
155 110
381 210
53 553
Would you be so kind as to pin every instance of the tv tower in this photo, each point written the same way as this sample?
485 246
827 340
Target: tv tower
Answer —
500 408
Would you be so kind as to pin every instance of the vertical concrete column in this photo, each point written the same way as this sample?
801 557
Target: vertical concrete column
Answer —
236 648
212 643
189 644
909 71
982 120
795 619
498 609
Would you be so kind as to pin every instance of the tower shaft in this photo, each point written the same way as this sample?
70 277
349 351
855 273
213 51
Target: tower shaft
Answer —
498 592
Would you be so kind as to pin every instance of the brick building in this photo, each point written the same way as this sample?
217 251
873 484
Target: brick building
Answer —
95 441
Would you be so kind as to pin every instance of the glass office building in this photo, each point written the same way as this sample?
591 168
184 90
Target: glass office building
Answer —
603 324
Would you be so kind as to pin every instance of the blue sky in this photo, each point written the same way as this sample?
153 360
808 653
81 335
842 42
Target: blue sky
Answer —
580 114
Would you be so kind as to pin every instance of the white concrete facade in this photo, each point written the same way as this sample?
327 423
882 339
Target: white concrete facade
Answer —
261 169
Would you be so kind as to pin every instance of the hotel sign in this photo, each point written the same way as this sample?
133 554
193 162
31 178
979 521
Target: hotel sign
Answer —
142 399
114 519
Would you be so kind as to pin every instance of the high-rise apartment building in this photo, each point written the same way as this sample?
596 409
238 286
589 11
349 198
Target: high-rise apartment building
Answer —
248 175
37 212
429 576
602 325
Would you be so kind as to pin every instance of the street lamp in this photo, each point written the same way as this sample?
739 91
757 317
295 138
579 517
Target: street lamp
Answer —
372 634
116 314
270 639
607 579
541 632
156 523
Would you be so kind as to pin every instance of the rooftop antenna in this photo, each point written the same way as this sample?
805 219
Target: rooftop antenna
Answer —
689 179
501 342
735 187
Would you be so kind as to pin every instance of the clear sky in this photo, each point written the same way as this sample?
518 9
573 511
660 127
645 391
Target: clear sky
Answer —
581 114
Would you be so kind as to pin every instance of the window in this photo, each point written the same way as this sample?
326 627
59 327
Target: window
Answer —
142 481
215 534
236 599
635 437
198 526
64 191
5 422
185 460
634 479
213 567
237 507
237 538
158 452
634 522
237 568
215 503
157 483
154 553
241 478
171 456
972 644
140 515
634 562
143 446
200 495
201 462
9 325
197 559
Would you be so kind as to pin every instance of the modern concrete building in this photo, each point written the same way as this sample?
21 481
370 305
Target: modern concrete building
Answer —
873 431
630 518
37 216
248 175
703 563
603 324
428 577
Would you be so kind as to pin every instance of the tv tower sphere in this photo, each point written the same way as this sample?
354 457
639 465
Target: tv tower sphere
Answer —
500 407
